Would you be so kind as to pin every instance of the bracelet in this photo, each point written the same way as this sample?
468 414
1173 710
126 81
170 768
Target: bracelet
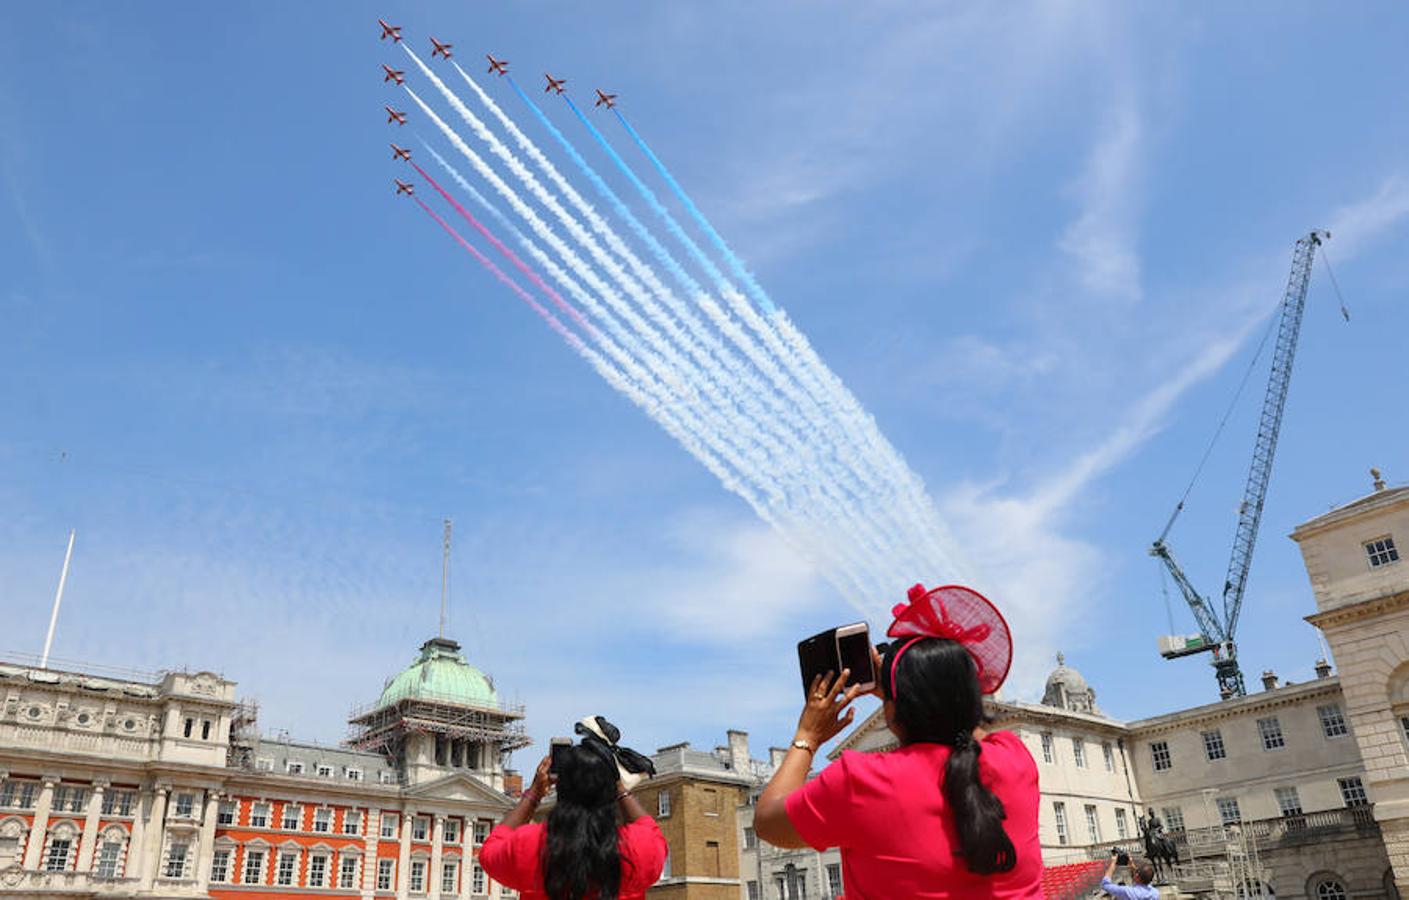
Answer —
622 796
804 745
531 797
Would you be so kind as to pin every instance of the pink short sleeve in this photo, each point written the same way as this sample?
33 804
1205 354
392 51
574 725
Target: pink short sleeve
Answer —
820 810
643 849
510 855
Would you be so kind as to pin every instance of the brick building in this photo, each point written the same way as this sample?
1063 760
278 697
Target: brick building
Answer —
159 785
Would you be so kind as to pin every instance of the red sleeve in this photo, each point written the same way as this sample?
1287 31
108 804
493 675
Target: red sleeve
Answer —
643 850
511 856
821 809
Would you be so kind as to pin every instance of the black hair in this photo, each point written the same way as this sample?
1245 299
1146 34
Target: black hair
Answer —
938 701
580 856
1144 871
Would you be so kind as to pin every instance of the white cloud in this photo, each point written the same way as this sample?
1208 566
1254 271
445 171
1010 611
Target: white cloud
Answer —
1357 224
1102 238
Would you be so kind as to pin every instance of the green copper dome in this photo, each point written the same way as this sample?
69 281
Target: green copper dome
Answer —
441 673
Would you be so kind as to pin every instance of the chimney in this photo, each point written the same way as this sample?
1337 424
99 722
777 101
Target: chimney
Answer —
1269 680
739 751
1323 668
513 783
775 757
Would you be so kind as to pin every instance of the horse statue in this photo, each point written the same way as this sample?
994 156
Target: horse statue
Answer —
1159 847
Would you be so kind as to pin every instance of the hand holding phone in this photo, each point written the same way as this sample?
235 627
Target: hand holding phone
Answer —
844 647
557 747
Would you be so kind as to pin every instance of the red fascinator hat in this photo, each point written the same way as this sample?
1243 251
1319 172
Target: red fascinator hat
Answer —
960 614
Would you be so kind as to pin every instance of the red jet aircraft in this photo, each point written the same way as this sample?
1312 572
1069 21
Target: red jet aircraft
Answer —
497 65
400 153
404 188
393 74
554 84
608 100
394 116
442 49
389 31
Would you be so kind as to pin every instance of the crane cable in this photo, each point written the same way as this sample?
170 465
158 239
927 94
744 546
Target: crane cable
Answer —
1326 261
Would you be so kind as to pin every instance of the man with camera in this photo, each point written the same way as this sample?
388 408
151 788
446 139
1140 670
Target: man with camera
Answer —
1142 872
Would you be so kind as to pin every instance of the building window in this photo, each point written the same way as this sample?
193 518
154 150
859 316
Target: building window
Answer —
254 867
386 873
291 817
325 771
1122 826
386 777
1330 889
264 765
225 813
287 869
1353 791
220 866
109 855
57 860
185 806
1078 752
1093 824
1159 755
1109 755
176 859
1288 801
1173 818
833 880
420 828
753 891
352 822
354 774
1332 721
662 805
665 870
388 825
205 730
317 870
1381 551
190 725
452 831
347 872
477 880
449 876
259 815
69 798
1228 811
710 804
1270 730
1404 726
1059 812
293 767
1047 755
481 831
322 820
750 838
1213 745
418 876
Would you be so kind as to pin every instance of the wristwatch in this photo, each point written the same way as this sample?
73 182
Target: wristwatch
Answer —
804 745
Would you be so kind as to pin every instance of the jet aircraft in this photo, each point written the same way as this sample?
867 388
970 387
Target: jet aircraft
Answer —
404 188
607 100
554 84
500 66
396 116
400 153
389 31
442 49
393 74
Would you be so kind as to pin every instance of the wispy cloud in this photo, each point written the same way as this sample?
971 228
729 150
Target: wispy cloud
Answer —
1102 239
1358 224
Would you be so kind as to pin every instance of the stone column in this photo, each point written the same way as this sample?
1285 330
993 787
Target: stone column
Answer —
40 826
87 845
155 836
403 858
135 841
371 831
207 842
437 854
467 855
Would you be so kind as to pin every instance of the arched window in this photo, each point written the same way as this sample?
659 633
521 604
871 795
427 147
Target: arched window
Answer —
60 847
13 832
1256 890
110 860
1330 889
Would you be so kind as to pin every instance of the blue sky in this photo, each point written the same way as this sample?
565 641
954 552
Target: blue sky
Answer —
1038 242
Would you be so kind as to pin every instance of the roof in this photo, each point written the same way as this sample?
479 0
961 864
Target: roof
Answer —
1378 498
441 673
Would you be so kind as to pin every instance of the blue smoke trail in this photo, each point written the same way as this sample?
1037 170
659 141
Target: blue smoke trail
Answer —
755 290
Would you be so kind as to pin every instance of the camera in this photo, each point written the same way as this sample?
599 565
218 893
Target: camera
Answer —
1122 858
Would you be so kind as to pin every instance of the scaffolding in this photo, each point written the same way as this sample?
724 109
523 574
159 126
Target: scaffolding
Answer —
382 727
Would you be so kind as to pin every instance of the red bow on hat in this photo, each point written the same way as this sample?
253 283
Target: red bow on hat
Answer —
964 615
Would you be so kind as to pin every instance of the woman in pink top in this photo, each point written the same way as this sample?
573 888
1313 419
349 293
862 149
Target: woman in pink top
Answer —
953 811
598 842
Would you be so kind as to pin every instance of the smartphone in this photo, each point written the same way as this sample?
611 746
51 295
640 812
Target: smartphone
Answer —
844 647
1122 858
556 748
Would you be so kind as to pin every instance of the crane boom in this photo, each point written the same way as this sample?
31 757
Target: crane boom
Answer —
1218 633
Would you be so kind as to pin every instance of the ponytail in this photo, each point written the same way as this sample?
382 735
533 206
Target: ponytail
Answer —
934 686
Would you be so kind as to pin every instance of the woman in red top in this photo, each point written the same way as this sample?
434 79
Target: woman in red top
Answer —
951 813
583 852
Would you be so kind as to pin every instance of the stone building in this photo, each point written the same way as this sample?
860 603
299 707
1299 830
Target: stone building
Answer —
158 785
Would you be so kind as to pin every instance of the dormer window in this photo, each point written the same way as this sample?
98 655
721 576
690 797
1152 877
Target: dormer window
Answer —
1381 551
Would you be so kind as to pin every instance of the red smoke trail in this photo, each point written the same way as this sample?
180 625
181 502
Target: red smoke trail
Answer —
573 340
513 257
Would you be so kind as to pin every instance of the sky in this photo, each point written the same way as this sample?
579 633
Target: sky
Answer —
1039 242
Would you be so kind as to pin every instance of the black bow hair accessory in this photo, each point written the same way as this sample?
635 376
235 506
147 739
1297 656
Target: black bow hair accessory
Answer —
631 767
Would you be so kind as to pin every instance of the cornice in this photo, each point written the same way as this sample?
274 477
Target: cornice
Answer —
1355 612
1232 709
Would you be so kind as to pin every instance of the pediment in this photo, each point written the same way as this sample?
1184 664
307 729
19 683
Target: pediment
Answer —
458 788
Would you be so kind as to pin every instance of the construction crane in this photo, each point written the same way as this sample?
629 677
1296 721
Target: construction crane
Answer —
1218 630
